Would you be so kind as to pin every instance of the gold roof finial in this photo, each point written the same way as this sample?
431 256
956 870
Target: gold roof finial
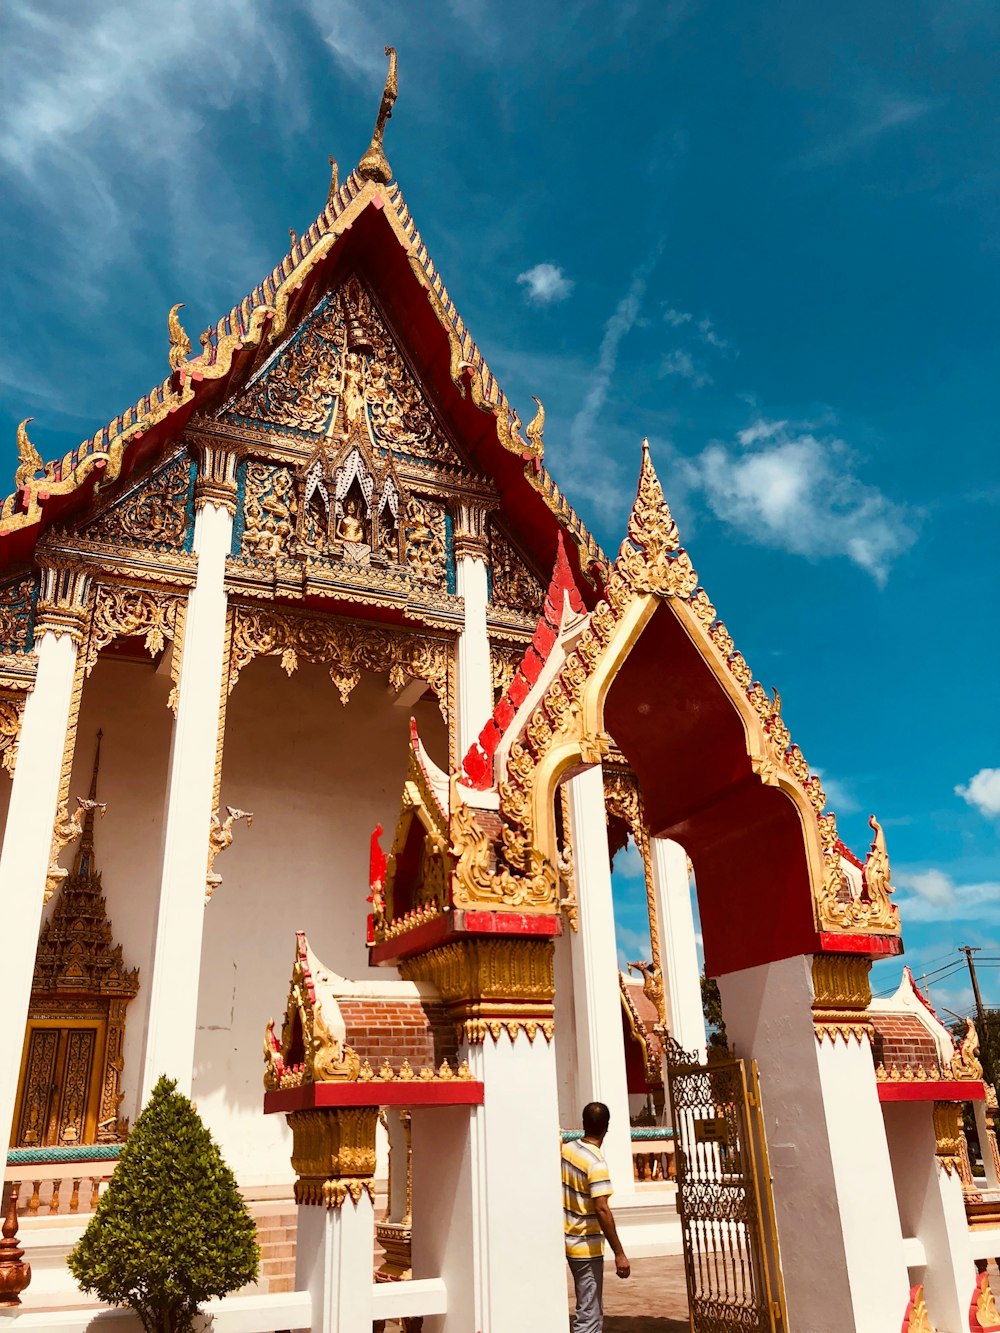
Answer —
534 430
180 343
374 166
334 181
30 458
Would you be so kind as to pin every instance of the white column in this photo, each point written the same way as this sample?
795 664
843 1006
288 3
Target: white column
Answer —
932 1209
678 952
596 993
474 685
173 1002
27 843
487 1196
333 1262
838 1224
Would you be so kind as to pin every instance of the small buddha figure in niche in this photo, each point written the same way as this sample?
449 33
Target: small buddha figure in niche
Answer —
351 531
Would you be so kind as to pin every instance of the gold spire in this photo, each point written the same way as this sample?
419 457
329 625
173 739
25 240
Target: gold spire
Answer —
30 458
334 181
85 852
180 343
374 166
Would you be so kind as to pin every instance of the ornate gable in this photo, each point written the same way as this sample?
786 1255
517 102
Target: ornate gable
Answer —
344 362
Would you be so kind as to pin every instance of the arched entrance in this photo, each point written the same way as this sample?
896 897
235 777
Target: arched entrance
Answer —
787 932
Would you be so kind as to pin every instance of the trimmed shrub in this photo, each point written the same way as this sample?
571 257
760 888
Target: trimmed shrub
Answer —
171 1229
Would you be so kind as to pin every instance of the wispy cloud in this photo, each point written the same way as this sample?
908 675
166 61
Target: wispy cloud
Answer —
545 284
787 487
699 338
874 113
982 792
681 363
933 895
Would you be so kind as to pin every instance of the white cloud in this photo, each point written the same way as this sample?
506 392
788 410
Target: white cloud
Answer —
675 318
760 430
628 862
933 895
838 795
706 330
545 283
790 489
681 363
983 792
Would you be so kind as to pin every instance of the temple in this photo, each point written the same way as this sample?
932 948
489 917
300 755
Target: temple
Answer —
323 718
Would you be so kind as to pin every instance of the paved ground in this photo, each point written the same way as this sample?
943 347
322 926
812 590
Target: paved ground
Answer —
652 1300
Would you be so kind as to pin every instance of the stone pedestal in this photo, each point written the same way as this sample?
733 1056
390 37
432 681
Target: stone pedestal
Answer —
838 1225
931 1207
333 1156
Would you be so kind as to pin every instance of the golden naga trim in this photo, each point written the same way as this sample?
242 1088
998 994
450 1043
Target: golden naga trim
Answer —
983 1312
566 725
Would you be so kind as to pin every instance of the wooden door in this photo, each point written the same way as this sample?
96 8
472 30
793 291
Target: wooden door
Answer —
60 1083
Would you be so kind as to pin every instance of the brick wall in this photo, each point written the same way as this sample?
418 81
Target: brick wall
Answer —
901 1039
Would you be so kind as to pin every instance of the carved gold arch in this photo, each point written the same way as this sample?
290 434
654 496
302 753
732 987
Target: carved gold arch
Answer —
567 730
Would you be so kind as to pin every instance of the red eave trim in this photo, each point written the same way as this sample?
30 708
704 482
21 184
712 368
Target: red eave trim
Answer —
451 926
933 1090
411 1092
875 946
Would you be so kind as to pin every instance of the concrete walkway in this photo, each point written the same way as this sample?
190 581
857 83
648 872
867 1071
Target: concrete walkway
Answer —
652 1300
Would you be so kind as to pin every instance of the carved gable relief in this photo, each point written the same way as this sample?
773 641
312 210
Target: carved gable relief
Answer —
17 597
345 363
154 513
514 586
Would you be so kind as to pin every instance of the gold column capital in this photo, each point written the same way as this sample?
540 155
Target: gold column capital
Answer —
333 1154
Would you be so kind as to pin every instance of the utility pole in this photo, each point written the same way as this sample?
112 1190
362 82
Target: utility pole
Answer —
985 1061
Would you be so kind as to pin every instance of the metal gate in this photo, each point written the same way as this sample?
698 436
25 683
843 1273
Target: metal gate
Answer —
724 1196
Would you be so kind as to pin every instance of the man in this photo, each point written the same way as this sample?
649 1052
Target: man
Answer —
587 1218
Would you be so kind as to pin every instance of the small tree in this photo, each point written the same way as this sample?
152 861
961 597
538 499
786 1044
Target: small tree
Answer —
171 1229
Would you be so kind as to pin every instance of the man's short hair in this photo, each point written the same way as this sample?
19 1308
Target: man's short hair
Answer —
596 1118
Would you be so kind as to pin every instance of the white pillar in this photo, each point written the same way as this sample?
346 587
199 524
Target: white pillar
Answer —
474 684
333 1262
932 1209
838 1225
173 1002
596 993
487 1195
27 843
678 952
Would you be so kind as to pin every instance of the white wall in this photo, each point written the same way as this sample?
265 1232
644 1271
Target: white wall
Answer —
128 702
318 776
567 1060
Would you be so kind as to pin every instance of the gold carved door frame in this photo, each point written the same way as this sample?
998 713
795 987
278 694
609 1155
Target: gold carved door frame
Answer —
59 1088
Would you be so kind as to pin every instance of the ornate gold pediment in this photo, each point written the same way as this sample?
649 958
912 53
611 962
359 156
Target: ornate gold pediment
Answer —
343 364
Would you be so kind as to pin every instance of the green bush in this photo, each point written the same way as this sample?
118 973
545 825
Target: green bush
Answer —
171 1229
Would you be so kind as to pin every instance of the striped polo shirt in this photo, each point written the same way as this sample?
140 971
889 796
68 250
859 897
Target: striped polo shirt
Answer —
584 1178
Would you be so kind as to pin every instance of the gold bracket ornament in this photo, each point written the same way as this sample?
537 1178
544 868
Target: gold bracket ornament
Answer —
219 839
948 1135
180 343
68 827
333 1154
11 714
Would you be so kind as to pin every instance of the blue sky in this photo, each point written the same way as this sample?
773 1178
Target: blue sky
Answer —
763 235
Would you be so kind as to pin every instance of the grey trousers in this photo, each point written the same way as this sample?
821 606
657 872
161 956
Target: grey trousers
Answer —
588 1280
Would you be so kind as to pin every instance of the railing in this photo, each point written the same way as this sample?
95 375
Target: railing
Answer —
59 1181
